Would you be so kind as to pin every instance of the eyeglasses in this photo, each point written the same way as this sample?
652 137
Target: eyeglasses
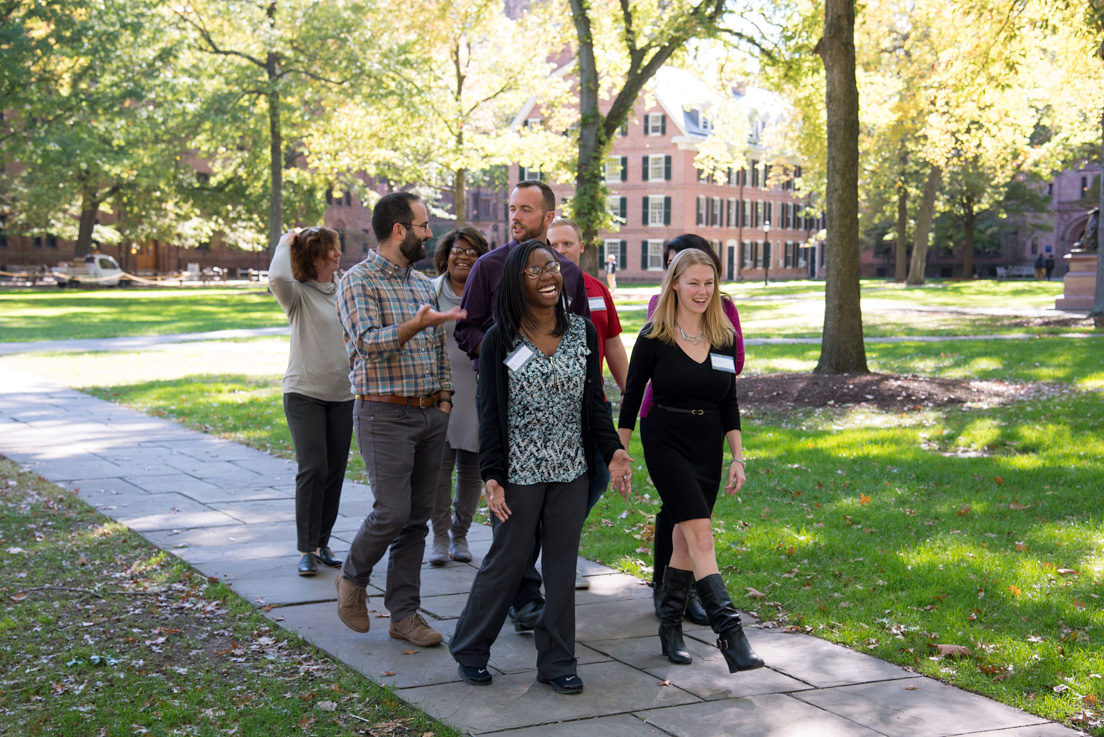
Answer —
458 251
423 226
534 272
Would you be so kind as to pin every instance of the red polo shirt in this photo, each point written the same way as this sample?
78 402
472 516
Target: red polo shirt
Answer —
602 313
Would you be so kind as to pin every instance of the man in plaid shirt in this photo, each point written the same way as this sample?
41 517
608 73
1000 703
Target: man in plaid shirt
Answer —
400 375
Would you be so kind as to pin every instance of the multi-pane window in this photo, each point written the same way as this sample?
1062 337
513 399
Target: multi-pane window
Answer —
655 210
613 205
746 256
701 209
656 168
655 124
755 173
715 216
655 255
613 169
610 246
529 174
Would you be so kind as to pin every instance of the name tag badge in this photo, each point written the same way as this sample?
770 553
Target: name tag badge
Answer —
521 356
722 362
596 303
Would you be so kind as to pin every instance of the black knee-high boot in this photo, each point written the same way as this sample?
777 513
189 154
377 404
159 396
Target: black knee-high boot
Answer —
725 621
672 607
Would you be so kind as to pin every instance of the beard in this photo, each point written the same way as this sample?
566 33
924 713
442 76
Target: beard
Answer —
412 247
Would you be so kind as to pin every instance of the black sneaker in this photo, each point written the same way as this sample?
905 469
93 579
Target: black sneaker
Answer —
564 684
474 676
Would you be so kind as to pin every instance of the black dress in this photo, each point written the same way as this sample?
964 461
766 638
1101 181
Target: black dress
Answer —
695 405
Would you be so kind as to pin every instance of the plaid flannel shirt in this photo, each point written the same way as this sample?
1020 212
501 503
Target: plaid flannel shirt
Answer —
374 297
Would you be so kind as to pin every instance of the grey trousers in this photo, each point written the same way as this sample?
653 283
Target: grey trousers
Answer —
558 510
454 514
401 447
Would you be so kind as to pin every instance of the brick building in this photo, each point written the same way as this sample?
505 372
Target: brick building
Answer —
656 191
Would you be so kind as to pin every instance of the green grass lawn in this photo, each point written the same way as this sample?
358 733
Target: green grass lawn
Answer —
66 314
891 532
104 634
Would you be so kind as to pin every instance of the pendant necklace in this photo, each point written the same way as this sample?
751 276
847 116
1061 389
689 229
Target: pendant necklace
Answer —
691 339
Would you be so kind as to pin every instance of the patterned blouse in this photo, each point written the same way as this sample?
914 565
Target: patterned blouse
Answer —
545 412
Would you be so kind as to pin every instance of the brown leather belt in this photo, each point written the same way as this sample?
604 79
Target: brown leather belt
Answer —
427 401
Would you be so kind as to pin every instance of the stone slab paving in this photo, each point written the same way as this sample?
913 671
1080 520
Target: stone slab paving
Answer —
228 510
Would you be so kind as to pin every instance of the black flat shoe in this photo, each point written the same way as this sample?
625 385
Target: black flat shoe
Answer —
474 676
326 557
307 565
570 685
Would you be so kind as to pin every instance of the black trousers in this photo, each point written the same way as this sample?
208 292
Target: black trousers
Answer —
558 510
321 432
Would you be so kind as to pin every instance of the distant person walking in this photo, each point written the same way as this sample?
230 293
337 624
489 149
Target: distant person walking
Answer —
688 351
452 513
1049 267
1040 267
396 345
318 402
611 272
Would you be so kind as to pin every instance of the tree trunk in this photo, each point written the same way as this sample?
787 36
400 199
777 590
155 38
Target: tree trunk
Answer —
1097 311
900 268
923 227
842 350
90 205
588 175
276 142
460 197
969 218
276 162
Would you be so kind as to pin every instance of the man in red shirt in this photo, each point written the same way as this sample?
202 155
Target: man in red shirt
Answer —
567 239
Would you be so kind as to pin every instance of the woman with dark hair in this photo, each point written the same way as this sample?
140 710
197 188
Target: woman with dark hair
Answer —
664 527
455 255
687 350
318 401
541 408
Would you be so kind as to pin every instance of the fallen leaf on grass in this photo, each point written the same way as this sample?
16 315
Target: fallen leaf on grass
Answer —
20 596
327 706
1091 700
952 651
998 479
753 594
306 722
864 499
1016 591
1067 571
1077 604
963 510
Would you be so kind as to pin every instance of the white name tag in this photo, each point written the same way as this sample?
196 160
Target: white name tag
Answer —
596 303
723 363
521 356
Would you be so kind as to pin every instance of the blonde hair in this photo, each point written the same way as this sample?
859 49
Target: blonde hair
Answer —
715 325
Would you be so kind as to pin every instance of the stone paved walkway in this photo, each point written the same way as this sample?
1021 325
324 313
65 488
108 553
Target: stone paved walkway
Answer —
228 511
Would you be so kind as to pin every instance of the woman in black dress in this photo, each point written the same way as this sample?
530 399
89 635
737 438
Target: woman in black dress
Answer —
688 351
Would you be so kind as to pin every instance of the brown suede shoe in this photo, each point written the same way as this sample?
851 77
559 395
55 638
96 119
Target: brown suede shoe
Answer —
414 630
352 605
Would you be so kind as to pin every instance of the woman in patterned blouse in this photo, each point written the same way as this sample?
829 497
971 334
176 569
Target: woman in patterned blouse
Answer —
540 407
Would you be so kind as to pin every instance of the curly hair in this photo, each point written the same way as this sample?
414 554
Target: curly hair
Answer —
467 234
309 245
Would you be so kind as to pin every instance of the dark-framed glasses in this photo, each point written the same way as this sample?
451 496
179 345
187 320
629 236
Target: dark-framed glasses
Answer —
461 251
534 272
423 226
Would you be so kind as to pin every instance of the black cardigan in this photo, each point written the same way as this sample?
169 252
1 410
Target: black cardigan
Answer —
494 401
